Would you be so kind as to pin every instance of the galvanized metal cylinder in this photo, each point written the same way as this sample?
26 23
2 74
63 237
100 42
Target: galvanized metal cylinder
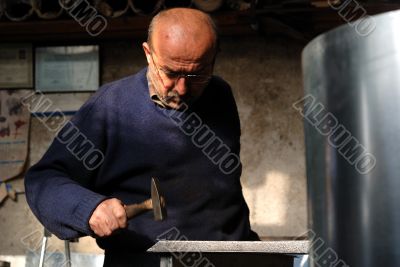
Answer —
352 130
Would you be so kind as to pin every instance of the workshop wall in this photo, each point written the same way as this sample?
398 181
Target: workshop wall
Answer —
266 79
265 74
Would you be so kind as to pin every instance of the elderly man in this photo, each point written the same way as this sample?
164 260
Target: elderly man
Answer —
173 120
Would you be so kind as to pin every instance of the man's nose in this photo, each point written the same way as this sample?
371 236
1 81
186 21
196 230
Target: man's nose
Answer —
181 85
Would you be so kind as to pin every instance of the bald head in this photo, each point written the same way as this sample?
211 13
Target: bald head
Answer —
184 29
180 51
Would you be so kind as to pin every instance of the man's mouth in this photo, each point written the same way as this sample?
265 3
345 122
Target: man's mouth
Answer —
171 98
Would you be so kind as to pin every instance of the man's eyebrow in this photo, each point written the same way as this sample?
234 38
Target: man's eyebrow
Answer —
167 69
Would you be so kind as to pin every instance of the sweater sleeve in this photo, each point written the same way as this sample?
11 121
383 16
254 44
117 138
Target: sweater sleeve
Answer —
60 187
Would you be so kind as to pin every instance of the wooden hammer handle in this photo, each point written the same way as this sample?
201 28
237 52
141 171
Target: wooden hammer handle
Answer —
136 209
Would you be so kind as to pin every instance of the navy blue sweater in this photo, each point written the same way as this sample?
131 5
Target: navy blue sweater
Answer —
120 139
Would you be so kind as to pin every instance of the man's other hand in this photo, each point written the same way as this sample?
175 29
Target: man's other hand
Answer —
108 216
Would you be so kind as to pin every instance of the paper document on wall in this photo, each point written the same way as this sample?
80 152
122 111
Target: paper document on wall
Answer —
16 66
67 68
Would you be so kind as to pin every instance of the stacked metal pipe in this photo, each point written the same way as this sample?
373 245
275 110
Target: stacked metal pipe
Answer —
177 3
1 9
47 9
146 7
112 9
208 6
19 10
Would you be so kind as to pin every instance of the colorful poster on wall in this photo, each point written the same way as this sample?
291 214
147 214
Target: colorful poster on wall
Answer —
14 133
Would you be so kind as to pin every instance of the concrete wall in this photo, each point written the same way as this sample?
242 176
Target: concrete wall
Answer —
265 76
266 79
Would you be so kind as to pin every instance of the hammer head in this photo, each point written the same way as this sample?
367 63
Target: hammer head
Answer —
158 201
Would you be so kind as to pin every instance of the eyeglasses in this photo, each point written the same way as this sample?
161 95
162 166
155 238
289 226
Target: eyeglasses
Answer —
195 79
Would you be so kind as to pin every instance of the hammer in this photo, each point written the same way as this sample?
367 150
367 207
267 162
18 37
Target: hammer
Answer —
155 203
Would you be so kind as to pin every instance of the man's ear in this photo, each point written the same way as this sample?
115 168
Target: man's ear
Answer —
146 49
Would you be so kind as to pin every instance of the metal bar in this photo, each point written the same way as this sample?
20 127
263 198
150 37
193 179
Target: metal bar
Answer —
43 251
67 253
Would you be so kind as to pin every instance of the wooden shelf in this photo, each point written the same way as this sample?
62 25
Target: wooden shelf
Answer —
229 23
306 21
69 30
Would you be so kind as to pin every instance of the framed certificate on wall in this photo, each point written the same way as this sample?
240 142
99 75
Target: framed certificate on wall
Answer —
67 68
16 66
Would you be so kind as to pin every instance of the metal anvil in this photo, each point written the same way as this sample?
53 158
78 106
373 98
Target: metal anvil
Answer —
229 253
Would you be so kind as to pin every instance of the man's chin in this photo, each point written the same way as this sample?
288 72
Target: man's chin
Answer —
180 104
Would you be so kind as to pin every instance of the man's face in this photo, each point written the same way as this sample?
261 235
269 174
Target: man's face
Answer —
182 73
